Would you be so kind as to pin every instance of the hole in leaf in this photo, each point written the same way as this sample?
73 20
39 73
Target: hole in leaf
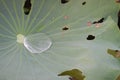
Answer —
99 21
65 28
119 19
64 1
90 37
27 7
84 3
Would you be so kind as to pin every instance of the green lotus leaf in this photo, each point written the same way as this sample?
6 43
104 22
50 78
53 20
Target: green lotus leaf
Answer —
54 37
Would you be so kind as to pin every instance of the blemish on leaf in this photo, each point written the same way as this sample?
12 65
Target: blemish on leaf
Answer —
115 53
66 17
117 1
119 19
97 25
64 1
84 3
118 78
27 7
65 28
89 23
74 74
90 37
99 21
72 78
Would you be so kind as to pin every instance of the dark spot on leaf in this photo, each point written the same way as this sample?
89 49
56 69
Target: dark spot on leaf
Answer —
64 1
99 21
75 74
84 3
118 1
119 19
115 53
94 22
65 28
116 50
27 7
90 37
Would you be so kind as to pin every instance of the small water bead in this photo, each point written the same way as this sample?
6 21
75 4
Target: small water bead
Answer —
37 43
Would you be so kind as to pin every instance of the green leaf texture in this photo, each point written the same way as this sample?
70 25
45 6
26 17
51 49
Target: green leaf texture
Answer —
70 48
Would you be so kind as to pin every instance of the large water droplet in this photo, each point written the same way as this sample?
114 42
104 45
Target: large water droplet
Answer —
37 43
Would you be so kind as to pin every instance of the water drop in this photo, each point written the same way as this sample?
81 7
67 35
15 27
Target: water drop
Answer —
37 43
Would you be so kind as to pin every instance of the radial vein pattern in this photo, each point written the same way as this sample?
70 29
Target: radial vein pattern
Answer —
79 39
